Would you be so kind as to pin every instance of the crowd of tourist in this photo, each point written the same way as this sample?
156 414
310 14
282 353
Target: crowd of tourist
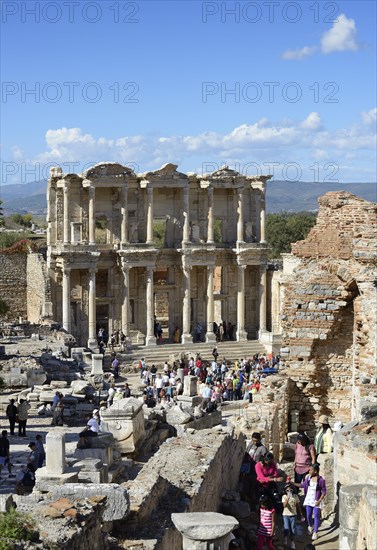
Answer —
307 491
218 380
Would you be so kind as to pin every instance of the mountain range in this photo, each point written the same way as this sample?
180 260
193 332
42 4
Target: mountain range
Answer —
281 195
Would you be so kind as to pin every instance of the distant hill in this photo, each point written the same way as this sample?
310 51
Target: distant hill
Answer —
298 196
281 195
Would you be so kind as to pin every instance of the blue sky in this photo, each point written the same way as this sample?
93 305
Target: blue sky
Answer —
146 83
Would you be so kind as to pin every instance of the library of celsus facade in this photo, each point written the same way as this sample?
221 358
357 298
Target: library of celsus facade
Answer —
122 245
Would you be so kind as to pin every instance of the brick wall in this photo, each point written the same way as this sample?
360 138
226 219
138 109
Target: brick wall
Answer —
13 284
329 322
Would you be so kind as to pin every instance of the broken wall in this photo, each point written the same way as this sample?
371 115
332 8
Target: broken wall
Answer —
329 312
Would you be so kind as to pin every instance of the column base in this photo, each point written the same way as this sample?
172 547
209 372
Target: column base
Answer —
93 344
186 339
150 341
241 335
210 338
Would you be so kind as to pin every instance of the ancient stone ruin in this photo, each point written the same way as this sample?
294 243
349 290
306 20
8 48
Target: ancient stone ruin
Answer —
167 476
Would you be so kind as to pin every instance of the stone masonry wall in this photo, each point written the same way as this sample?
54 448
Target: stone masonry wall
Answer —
188 473
38 288
13 284
329 321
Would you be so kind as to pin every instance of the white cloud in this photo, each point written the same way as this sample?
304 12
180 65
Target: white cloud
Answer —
370 117
298 54
312 122
341 36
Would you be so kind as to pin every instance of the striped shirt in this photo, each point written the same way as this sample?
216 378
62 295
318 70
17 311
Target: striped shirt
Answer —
265 524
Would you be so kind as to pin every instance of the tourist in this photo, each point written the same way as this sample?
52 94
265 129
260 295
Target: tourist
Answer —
110 395
206 394
23 412
267 475
115 367
11 413
58 415
291 508
256 449
33 457
159 385
304 457
323 438
315 491
198 332
91 430
126 391
40 449
122 340
26 481
55 400
215 354
266 528
4 453
177 336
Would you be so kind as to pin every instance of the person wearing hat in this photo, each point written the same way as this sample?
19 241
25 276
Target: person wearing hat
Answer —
33 457
323 438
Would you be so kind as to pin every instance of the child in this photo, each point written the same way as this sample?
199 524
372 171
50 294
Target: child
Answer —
291 506
266 529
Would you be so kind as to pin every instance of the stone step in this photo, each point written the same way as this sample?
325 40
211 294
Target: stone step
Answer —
162 352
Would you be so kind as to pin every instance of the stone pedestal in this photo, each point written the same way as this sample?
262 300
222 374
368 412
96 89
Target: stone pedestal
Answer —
56 471
204 530
190 385
97 363
180 374
125 420
100 448
92 470
190 401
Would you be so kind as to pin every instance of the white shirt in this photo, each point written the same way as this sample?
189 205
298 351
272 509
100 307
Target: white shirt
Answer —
159 383
93 425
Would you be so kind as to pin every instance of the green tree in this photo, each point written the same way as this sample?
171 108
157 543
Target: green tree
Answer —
285 228
25 220
2 221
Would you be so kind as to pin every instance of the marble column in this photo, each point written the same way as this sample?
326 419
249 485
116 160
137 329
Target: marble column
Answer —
150 215
186 216
66 298
66 222
124 215
263 218
210 216
210 335
262 300
241 334
92 337
150 339
126 300
186 316
240 236
92 220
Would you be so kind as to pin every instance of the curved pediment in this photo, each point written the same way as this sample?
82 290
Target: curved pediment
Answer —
108 169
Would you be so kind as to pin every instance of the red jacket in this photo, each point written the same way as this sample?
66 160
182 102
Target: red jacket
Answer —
264 472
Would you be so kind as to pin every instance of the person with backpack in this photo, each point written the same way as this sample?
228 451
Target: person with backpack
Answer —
304 457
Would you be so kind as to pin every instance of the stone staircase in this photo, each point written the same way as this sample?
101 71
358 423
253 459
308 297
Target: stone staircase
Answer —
165 351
